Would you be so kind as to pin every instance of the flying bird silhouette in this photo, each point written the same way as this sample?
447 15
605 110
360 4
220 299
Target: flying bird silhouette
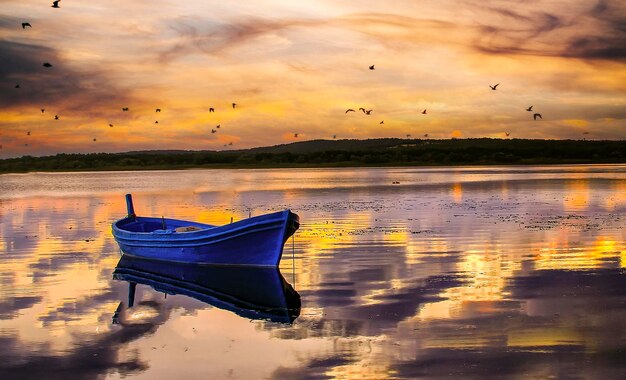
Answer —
230 143
350 110
47 64
334 136
125 109
43 110
494 86
425 134
213 131
158 110
94 139
218 126
382 122
537 115
585 133
424 112
213 109
529 109
25 24
368 112
507 133
408 135
156 122
362 109
55 4
28 133
56 117
295 135
372 67
234 105
17 86
110 125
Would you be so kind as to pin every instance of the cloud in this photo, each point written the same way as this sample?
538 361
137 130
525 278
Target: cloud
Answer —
222 37
61 85
315 368
10 306
91 360
594 32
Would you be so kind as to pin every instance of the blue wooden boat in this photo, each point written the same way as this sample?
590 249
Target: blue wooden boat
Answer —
251 292
256 241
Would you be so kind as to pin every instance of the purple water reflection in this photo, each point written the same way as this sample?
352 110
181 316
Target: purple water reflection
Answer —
452 271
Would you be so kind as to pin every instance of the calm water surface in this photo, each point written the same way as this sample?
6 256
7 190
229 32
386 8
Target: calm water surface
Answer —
514 272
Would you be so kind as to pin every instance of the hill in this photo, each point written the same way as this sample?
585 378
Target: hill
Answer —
328 153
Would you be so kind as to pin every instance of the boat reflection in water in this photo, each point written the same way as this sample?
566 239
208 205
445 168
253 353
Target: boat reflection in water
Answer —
251 292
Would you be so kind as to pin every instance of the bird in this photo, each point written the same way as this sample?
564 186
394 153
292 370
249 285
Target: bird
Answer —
295 135
507 133
218 126
125 109
425 134
230 143
350 110
537 115
110 125
585 133
372 67
56 117
43 110
17 86
334 136
494 86
55 4
382 122
234 105
424 112
368 112
47 64
213 109
25 24
529 109
94 139
28 133
158 110
408 135
213 131
362 109
156 122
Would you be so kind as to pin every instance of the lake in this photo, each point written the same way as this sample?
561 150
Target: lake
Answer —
472 272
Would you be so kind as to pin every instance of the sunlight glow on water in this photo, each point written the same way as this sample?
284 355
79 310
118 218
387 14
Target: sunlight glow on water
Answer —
451 271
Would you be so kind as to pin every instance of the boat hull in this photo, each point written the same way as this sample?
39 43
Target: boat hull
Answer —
256 241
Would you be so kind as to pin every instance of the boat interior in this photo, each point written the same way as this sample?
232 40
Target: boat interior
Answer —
160 225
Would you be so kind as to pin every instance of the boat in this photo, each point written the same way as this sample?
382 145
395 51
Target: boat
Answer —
250 292
255 241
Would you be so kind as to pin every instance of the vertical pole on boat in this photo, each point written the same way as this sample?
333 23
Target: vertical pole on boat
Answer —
163 221
129 206
131 293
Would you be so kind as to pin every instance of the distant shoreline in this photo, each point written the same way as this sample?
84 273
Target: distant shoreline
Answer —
340 154
304 166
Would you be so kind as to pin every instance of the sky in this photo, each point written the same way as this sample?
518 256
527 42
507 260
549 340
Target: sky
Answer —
296 67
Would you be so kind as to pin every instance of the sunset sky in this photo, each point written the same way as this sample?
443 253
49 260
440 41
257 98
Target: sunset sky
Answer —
295 67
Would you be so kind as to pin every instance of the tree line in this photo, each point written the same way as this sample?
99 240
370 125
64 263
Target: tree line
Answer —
386 152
